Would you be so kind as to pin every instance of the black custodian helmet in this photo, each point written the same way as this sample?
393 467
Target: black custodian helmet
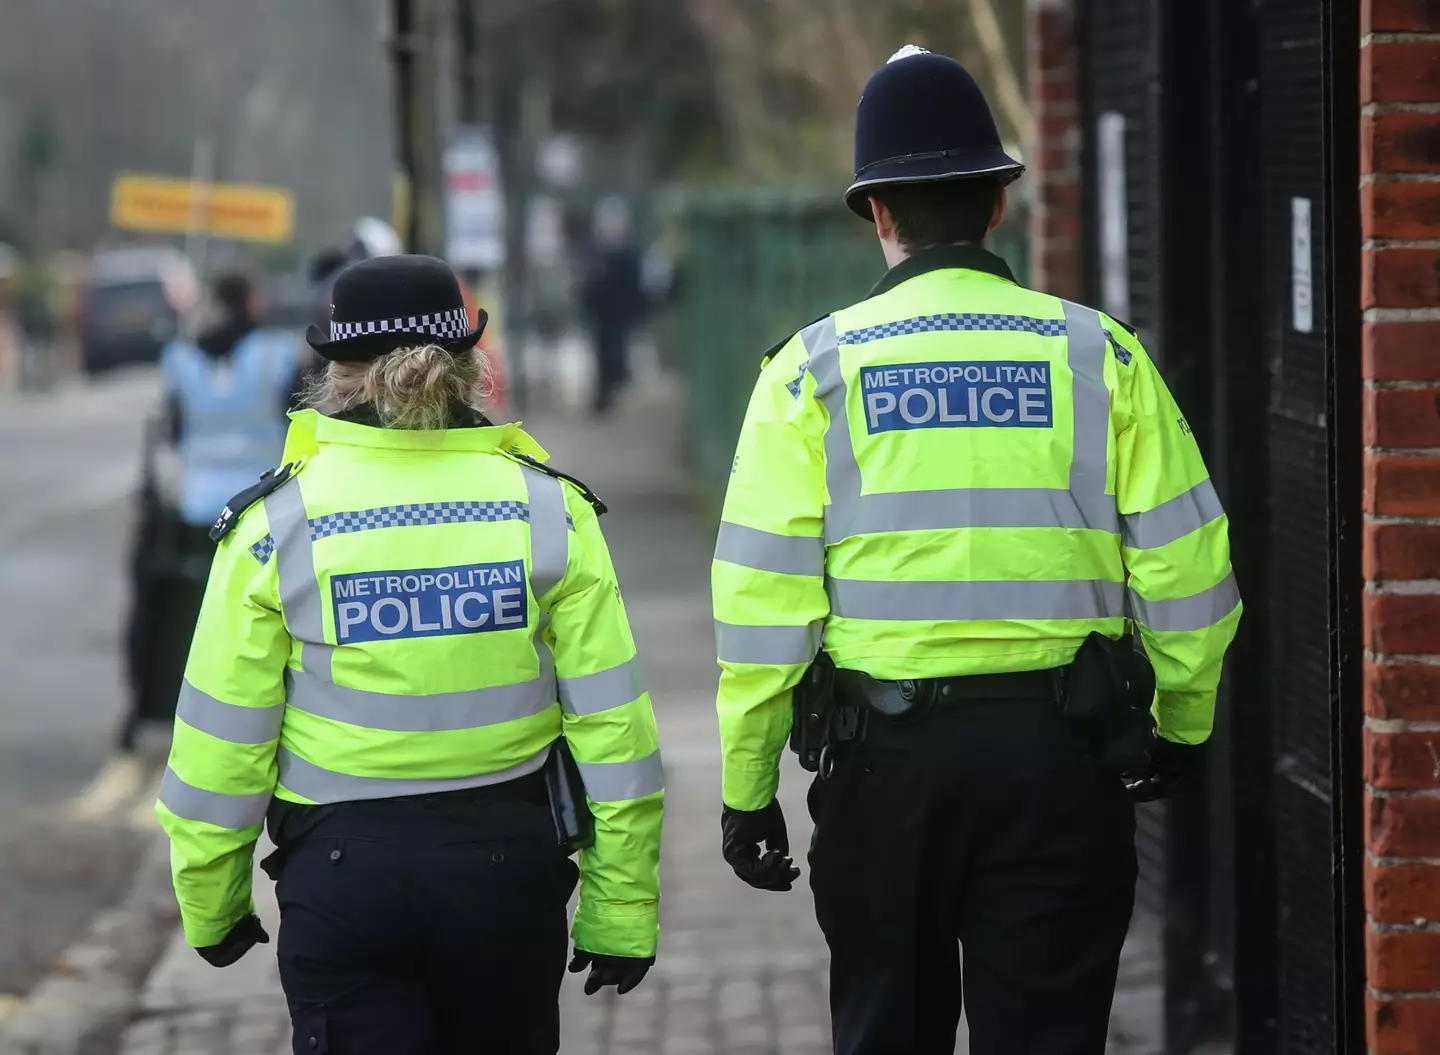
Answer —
922 118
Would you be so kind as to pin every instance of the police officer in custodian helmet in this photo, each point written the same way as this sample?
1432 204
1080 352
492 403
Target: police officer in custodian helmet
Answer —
412 642
954 505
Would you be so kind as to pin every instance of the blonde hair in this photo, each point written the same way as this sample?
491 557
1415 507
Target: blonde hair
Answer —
410 388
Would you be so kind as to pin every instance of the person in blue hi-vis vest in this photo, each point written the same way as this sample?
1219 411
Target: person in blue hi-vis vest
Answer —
226 393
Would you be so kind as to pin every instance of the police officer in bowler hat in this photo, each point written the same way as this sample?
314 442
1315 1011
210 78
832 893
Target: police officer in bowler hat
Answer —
950 505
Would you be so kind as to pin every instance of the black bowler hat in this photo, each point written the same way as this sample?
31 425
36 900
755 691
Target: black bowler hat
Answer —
922 118
394 302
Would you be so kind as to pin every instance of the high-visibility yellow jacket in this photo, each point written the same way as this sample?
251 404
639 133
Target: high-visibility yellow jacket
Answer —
957 476
412 613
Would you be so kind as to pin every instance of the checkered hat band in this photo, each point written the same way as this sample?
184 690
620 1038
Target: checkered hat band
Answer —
448 325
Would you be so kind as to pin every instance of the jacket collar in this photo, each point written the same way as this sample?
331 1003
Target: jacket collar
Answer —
309 429
972 257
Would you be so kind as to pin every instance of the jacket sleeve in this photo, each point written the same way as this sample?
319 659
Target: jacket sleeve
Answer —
1175 544
222 766
610 727
768 575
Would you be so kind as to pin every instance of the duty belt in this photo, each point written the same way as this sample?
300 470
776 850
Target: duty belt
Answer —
912 697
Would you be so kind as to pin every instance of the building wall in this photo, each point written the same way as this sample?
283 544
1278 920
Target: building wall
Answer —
1400 214
1056 262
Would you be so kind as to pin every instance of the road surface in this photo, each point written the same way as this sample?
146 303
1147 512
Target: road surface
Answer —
74 819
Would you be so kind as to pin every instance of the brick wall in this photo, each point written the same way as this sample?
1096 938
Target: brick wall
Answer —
1400 212
1054 161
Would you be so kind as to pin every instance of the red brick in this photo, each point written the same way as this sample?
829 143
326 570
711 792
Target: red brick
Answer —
1402 551
1403 690
1403 761
1402 485
1402 1026
1402 351
1399 16
1402 417
1402 893
1400 278
1393 209
1400 143
1400 72
1055 127
1054 161
1401 961
1407 826
1403 623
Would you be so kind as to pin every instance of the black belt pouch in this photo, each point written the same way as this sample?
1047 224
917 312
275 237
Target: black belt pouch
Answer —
1109 692
574 823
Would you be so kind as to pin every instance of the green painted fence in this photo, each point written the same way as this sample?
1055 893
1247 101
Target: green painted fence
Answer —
755 268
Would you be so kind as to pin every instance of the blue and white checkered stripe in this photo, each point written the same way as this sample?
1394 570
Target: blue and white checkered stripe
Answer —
416 513
445 324
956 321
262 549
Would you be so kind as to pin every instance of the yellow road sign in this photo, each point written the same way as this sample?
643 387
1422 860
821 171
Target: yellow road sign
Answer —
221 210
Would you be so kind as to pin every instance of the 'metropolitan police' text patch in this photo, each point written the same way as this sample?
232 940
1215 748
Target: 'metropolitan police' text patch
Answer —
429 602
956 395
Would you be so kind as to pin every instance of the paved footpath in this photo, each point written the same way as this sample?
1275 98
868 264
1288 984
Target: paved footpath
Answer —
741 972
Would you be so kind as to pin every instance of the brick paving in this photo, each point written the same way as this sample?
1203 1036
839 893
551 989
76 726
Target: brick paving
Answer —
741 972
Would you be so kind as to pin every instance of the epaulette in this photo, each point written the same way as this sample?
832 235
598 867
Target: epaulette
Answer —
1126 327
590 496
230 516
774 349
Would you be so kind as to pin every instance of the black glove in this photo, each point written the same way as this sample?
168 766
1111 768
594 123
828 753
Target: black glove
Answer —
623 972
742 832
243 937
1175 770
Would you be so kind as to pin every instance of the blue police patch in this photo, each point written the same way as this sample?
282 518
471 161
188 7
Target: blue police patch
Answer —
956 395
429 602
1121 352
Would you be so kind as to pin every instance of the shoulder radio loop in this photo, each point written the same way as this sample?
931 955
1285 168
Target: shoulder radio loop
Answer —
590 496
268 482
775 348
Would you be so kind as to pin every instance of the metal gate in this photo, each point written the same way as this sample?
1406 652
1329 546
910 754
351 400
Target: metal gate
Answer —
1234 174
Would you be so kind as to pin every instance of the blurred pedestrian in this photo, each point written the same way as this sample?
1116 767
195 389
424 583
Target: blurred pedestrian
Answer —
612 298
948 502
408 630
226 394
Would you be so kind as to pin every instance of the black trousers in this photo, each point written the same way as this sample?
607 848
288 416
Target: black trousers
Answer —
987 825
420 931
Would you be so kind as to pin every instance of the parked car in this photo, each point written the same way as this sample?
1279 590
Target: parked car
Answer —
132 304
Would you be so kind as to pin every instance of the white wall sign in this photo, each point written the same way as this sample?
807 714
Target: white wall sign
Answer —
474 206
1114 244
1302 282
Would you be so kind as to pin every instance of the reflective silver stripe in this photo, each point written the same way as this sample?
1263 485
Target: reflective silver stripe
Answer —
603 690
323 785
1195 612
737 643
1173 519
549 531
295 568
1083 505
842 471
1090 409
228 721
1017 507
621 781
766 551
439 712
945 601
212 807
